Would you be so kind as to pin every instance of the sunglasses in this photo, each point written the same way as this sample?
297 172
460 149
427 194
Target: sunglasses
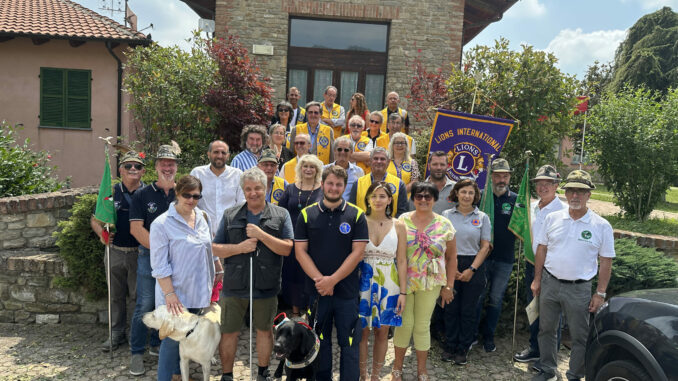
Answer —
313 112
423 196
193 196
375 121
138 167
355 125
343 149
284 110
299 143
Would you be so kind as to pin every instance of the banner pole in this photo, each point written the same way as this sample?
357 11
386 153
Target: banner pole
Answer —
515 301
108 286
583 134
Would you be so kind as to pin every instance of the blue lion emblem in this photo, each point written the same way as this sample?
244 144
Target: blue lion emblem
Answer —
345 228
323 141
407 167
361 146
277 194
392 188
152 207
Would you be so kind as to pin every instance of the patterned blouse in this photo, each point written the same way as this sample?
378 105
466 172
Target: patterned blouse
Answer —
426 253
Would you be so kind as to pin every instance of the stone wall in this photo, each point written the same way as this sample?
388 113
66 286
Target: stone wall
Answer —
432 29
668 245
29 221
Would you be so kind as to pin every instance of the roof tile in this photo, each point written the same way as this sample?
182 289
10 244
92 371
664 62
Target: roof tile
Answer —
60 18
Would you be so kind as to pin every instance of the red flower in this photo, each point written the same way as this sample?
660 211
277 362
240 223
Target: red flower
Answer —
49 156
35 164
142 155
542 118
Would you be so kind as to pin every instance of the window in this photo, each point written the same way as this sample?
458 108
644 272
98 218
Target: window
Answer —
341 35
65 98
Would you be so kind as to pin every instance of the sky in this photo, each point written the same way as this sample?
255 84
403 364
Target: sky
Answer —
577 32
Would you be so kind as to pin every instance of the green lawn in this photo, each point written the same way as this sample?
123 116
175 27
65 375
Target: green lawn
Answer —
668 227
671 205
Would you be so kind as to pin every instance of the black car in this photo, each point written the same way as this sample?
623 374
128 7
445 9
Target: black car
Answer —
634 337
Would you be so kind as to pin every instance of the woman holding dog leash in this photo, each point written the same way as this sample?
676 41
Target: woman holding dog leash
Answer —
431 269
182 263
383 276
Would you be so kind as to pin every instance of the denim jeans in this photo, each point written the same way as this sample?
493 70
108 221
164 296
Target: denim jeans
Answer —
498 275
461 315
168 362
344 314
145 303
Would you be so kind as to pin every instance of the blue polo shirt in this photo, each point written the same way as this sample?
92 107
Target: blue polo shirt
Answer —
148 203
330 235
504 240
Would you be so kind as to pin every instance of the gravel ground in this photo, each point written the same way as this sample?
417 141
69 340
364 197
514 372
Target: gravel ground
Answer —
605 208
72 352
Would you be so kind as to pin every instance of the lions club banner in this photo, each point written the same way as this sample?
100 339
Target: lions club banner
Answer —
467 138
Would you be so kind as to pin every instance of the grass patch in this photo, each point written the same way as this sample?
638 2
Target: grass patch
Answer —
601 193
667 226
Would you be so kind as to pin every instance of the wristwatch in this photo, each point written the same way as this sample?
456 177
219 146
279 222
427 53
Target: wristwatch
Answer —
601 294
473 268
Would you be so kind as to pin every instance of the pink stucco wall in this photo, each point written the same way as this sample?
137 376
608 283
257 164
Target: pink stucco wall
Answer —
78 154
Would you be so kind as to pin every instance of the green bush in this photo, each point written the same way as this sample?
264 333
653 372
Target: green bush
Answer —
81 250
23 171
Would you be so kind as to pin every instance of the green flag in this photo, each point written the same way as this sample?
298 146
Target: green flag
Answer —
487 201
520 220
105 210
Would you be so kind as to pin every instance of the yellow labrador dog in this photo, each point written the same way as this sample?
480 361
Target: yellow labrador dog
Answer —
198 335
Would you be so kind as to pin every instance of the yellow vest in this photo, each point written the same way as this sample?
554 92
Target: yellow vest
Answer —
334 114
385 139
364 182
278 188
405 173
323 146
301 115
360 147
384 117
290 171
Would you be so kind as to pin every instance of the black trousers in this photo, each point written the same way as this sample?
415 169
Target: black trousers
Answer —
461 318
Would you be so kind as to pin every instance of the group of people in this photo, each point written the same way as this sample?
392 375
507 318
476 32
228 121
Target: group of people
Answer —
343 228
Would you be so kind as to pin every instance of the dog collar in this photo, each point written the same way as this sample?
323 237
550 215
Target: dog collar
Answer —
309 357
192 329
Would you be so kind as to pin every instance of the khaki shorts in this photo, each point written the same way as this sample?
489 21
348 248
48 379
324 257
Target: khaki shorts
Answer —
233 310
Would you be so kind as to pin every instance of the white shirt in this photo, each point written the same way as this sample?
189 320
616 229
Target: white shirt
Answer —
573 246
539 215
218 192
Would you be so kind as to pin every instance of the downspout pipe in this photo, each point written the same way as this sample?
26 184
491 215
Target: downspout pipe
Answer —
118 129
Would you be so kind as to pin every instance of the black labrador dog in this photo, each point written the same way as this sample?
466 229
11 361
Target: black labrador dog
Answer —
296 346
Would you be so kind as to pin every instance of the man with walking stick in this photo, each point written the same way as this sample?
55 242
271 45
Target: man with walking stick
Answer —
121 258
252 238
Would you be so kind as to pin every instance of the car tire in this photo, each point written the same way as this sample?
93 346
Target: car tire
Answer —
622 370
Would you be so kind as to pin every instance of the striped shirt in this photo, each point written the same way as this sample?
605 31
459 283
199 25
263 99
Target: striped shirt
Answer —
184 254
244 160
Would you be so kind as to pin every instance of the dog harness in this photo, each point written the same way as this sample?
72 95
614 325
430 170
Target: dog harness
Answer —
282 318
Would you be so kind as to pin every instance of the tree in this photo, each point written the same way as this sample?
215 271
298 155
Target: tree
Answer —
649 54
239 94
167 86
634 138
525 86
24 171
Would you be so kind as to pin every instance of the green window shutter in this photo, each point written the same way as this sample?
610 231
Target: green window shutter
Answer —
52 97
78 98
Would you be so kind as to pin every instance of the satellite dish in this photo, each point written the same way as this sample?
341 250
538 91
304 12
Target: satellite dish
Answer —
206 25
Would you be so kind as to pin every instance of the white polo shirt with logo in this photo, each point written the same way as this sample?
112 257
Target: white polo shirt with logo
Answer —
539 216
573 246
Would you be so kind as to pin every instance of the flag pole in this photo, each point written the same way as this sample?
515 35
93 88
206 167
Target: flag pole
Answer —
108 286
583 134
520 254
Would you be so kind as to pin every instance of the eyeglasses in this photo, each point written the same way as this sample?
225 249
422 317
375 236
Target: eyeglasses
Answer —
339 149
313 112
193 196
578 192
299 143
129 166
279 133
399 143
358 125
423 196
375 121
284 110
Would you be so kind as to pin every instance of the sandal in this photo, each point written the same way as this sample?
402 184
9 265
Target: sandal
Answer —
376 370
396 375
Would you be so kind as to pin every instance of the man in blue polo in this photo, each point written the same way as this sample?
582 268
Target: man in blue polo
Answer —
499 263
330 239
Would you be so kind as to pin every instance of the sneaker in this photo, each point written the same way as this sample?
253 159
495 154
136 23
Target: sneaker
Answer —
154 351
489 346
226 377
136 365
447 356
461 358
265 377
475 341
543 376
117 342
527 355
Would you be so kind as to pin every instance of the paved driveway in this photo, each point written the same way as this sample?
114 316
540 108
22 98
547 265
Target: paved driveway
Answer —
71 352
